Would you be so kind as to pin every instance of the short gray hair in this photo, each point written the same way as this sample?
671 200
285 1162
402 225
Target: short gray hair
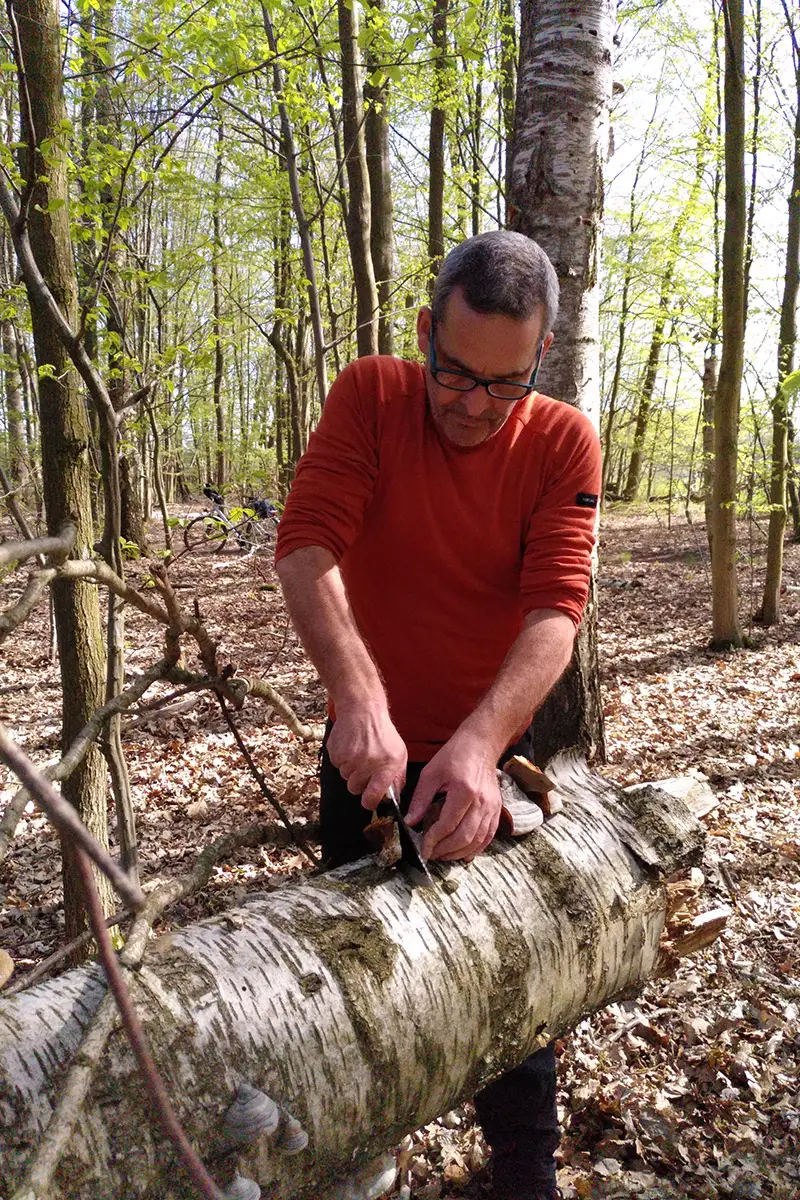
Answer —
499 272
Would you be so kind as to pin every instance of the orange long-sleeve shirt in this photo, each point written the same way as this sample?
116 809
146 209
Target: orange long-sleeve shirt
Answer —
444 549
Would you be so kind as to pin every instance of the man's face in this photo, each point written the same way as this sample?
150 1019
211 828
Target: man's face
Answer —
488 345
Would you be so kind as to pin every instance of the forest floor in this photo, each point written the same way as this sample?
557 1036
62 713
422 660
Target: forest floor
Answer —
690 1091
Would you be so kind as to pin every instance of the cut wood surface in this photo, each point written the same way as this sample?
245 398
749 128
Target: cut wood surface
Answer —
364 1007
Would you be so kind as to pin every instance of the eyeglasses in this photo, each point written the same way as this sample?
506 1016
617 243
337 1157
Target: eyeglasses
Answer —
461 381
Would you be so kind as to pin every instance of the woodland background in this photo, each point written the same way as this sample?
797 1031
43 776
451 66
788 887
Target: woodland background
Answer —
210 172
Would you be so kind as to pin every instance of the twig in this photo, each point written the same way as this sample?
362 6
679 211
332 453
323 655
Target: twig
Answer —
16 512
100 572
20 551
35 589
27 110
80 746
262 783
160 713
130 1020
58 956
260 687
65 818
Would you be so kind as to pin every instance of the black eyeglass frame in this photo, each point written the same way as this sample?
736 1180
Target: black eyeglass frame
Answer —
475 381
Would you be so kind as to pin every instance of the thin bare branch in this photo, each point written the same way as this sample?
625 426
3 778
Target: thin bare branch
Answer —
80 746
136 1036
262 783
260 687
35 589
19 552
65 818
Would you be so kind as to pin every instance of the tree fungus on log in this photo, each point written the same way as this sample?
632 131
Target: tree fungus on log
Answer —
362 1006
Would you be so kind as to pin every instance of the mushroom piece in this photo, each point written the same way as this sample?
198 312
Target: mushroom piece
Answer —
242 1189
292 1138
252 1114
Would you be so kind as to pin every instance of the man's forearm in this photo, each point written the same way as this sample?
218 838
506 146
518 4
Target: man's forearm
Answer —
535 662
317 602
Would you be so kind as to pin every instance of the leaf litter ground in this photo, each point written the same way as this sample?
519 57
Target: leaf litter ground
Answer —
690 1090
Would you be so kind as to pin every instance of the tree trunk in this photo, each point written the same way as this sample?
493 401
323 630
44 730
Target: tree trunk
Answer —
560 145
359 200
770 604
219 361
64 429
361 1005
15 413
711 362
289 151
376 132
134 526
436 142
624 310
726 630
507 88
674 250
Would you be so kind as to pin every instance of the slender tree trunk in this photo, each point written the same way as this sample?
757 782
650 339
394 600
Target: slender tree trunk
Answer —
507 89
624 310
359 204
15 412
754 146
376 132
64 429
304 232
363 1008
726 630
219 359
674 250
436 141
787 339
711 363
561 141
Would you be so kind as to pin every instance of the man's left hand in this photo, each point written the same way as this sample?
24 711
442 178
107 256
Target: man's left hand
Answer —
465 770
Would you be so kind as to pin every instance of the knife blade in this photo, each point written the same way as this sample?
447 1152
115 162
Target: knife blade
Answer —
410 842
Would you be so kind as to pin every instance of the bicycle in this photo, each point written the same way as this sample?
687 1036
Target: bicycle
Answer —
253 526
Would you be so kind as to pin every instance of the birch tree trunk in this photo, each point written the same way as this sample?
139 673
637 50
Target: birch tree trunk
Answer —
361 1005
726 630
560 145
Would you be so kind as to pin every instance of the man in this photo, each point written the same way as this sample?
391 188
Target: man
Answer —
435 557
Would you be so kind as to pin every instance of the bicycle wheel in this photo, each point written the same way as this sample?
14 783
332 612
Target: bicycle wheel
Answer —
205 533
253 534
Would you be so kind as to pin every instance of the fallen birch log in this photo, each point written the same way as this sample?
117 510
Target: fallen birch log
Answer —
362 1006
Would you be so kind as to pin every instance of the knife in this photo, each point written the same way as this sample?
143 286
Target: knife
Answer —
410 842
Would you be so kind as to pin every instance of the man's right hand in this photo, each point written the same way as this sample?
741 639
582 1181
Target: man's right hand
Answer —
368 751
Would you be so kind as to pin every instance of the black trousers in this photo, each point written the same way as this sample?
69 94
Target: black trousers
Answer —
517 1111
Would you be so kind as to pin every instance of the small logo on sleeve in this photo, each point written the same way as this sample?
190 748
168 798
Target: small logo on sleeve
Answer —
586 500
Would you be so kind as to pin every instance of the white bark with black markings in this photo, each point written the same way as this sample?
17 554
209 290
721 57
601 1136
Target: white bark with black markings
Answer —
362 1006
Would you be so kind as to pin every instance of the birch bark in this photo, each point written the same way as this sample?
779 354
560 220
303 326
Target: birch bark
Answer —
360 1005
560 143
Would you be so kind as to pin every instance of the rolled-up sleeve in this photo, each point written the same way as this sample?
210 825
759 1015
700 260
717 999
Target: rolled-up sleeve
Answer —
561 534
335 478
